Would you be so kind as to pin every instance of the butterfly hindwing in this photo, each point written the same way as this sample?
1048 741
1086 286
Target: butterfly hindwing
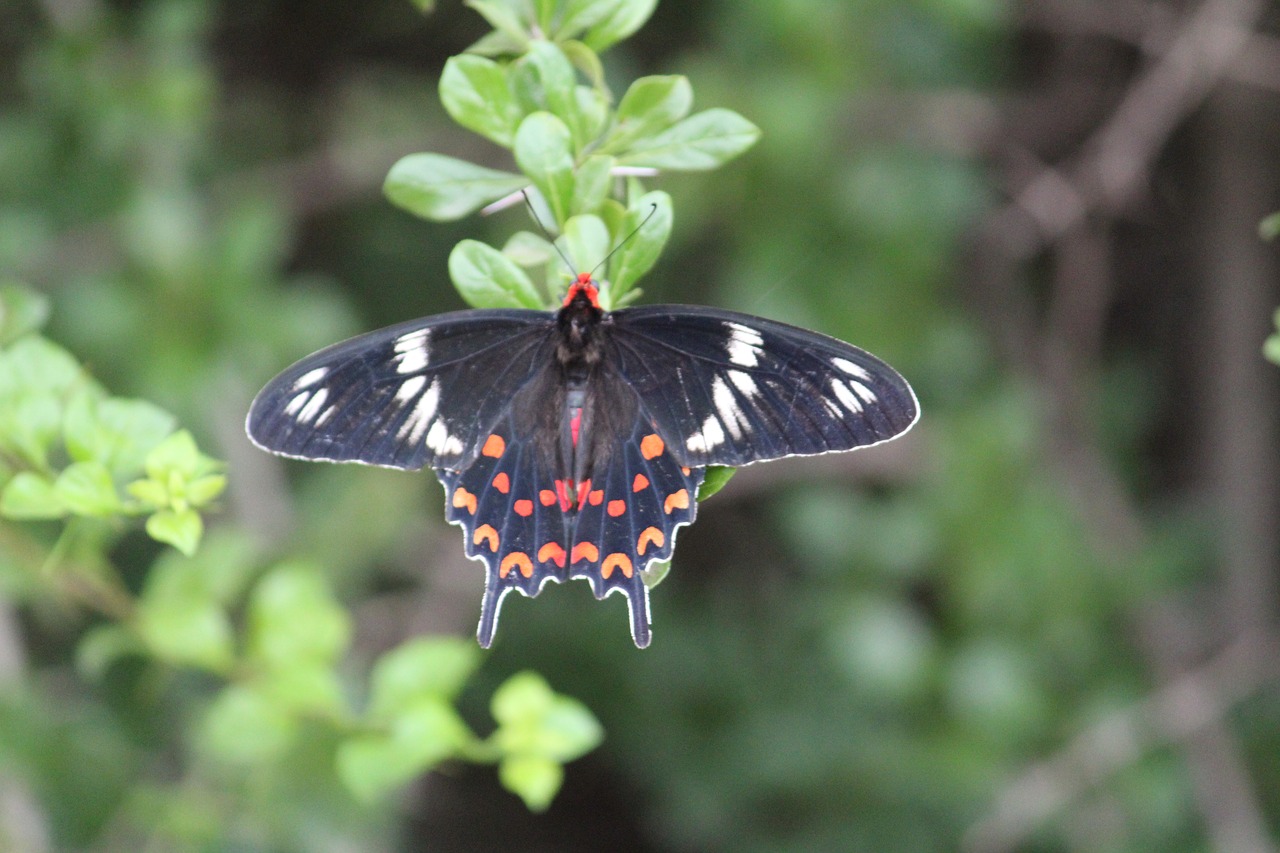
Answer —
732 389
416 394
627 518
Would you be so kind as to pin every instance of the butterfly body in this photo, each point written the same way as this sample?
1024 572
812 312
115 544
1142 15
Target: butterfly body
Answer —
571 444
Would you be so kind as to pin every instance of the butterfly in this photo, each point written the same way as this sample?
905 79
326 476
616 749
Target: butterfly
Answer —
572 444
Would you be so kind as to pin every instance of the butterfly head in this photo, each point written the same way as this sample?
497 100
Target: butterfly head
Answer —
583 289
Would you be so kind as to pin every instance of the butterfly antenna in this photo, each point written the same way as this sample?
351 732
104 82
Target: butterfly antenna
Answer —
653 208
552 240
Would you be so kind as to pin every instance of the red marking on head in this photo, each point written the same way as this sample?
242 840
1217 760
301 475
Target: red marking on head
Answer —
615 561
552 552
650 536
596 497
486 533
584 488
463 498
524 508
640 483
587 287
584 551
547 497
652 445
516 559
494 446
564 488
676 500
502 482
574 423
616 508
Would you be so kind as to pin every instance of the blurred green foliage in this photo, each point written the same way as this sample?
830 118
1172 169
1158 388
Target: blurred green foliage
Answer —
839 664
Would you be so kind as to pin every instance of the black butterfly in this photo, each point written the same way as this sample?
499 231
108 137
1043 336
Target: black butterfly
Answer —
572 443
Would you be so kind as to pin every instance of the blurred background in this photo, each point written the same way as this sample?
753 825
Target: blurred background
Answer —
1043 621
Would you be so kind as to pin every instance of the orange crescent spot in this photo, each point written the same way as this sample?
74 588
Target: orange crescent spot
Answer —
616 508
547 497
463 498
551 552
676 500
584 551
596 497
502 482
652 445
516 559
615 561
650 536
523 508
640 483
494 446
486 533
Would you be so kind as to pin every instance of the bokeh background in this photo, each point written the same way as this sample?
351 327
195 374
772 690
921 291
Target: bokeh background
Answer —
1044 621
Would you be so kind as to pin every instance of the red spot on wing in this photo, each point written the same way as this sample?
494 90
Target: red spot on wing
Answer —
596 497
486 533
524 507
616 508
516 560
502 482
547 497
685 471
551 552
584 551
564 488
463 498
640 483
494 446
616 561
584 489
650 536
651 446
574 423
676 500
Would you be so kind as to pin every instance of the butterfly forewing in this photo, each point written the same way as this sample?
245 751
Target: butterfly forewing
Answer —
732 389
422 393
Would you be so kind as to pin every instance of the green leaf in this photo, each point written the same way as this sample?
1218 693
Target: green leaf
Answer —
625 18
186 629
1270 350
308 687
644 243
650 106
176 454
29 424
115 432
1269 227
702 141
655 573
180 528
577 15
717 478
563 731
507 16
591 184
442 188
425 6
587 61
592 111
475 92
22 311
293 616
245 726
422 736
555 83
41 366
31 496
533 778
586 241
528 249
523 696
86 488
488 279
202 490
104 645
498 43
544 151
420 668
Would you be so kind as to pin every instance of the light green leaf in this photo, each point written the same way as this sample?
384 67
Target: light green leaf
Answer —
181 529
308 687
585 241
528 249
533 778
373 765
115 432
187 629
22 311
525 695
543 80
420 668
591 184
577 15
643 242
475 93
245 726
587 61
507 16
31 496
717 478
176 454
592 111
202 490
650 106
103 646
544 151
563 731
425 6
702 141
625 18
655 573
41 366
442 188
488 279
29 424
293 616
86 488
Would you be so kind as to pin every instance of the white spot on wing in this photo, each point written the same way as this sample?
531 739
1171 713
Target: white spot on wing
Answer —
311 377
727 406
845 396
850 368
439 440
742 345
412 340
744 383
412 360
325 415
313 406
415 426
409 389
710 435
296 403
863 391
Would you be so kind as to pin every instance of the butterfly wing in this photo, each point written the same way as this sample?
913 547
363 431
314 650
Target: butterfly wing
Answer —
729 389
421 393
